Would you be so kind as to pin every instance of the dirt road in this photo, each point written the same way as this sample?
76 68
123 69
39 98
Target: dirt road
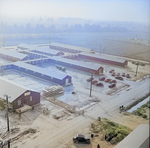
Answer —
58 134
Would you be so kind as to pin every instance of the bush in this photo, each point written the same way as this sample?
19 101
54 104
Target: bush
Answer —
144 116
124 132
142 64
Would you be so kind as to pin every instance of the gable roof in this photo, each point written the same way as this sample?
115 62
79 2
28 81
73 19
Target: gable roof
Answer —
12 53
102 57
46 50
77 63
40 70
71 47
26 46
11 89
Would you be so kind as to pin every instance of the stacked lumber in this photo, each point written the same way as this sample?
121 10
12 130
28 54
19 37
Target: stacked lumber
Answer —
52 90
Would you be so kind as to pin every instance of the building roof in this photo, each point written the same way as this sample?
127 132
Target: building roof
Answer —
44 71
26 46
40 48
102 57
71 47
12 53
77 63
47 50
136 138
11 89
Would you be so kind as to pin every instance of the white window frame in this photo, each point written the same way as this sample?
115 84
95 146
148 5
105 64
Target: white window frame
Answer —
19 102
30 98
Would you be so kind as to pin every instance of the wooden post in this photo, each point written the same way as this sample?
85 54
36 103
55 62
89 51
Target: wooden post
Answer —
7 118
91 84
137 68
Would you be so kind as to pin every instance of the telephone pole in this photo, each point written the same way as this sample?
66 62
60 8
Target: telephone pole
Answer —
137 68
7 117
91 83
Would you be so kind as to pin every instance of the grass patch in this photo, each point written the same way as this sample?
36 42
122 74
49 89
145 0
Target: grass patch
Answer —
1 104
141 111
137 101
112 132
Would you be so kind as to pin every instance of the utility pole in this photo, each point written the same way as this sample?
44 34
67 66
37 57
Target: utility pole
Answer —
137 68
91 83
7 117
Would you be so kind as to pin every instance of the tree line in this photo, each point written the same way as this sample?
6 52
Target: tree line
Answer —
77 28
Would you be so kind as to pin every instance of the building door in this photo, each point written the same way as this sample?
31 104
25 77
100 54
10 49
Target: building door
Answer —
24 101
100 71
67 81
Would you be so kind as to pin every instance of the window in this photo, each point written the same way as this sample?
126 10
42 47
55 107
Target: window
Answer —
19 102
30 98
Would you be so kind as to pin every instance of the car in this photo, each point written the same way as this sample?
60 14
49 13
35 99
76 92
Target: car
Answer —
100 84
120 78
112 85
94 82
102 79
113 74
123 75
107 80
111 71
118 74
113 81
128 75
90 79
81 139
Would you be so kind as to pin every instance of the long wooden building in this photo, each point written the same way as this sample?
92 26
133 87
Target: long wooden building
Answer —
80 65
103 59
41 73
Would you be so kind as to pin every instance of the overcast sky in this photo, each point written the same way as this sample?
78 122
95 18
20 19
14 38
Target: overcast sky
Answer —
117 10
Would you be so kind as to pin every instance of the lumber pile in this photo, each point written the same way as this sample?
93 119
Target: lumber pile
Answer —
52 90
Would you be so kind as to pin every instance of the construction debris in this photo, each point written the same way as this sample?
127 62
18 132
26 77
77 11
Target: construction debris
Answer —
46 111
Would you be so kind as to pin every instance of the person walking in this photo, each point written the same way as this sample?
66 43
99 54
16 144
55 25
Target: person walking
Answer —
98 146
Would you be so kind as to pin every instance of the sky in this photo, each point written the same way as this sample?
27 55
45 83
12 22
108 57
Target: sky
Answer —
116 10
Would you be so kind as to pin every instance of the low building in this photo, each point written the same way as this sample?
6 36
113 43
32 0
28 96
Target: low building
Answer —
19 95
41 73
80 65
139 138
12 55
47 51
69 48
103 59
